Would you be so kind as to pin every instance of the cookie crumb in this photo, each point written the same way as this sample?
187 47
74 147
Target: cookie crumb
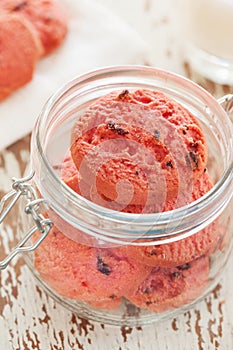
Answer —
122 96
186 128
102 266
112 296
184 266
20 6
157 134
176 274
194 157
117 128
169 164
194 144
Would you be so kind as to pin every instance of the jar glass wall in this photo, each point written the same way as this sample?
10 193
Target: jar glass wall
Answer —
131 268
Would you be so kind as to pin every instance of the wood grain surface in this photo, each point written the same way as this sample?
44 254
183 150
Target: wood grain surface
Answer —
30 319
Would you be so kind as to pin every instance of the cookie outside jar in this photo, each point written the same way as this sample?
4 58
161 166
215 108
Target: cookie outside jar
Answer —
119 267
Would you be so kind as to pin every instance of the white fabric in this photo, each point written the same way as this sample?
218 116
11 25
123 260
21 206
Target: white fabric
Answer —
96 38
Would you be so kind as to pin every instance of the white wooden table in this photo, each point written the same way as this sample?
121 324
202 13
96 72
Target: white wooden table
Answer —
30 319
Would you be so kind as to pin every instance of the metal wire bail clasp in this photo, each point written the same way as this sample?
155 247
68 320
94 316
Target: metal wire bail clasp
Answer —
21 187
227 103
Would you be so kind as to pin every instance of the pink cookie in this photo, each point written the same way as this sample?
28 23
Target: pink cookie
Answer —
187 249
71 176
149 112
126 165
98 276
46 16
168 288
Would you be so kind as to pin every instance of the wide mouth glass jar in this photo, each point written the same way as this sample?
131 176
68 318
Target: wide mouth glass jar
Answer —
131 267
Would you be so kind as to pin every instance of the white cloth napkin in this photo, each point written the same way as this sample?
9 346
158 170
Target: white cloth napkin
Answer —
96 38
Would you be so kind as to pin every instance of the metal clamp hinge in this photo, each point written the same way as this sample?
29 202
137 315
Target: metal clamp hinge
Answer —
21 187
227 103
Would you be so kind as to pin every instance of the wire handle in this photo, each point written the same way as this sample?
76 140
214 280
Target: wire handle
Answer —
21 187
227 103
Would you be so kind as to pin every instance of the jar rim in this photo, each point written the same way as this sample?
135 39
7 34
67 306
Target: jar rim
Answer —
152 219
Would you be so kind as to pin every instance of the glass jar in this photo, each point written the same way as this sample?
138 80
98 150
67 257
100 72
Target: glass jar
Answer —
96 261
